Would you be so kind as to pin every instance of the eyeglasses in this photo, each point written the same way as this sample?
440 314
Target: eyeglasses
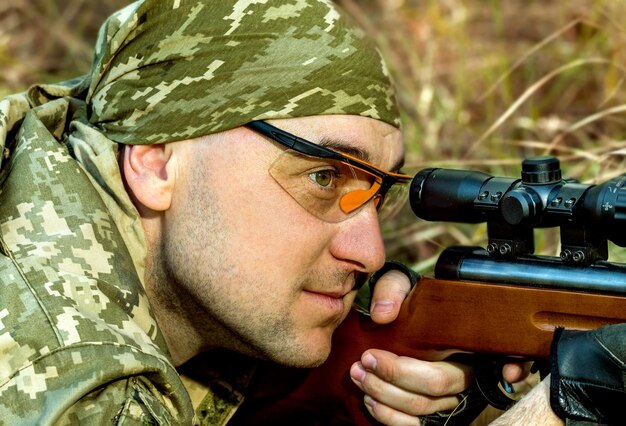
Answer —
329 184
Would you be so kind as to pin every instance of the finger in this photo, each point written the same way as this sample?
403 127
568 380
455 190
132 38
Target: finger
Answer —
398 399
516 372
389 293
424 377
389 416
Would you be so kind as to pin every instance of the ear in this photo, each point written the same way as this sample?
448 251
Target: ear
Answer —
149 175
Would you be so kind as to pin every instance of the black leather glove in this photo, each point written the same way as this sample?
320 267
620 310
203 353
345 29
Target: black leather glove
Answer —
394 265
588 373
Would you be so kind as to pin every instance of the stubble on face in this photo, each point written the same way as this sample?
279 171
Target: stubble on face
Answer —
209 294
222 313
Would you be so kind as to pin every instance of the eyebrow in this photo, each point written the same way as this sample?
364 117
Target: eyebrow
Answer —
346 147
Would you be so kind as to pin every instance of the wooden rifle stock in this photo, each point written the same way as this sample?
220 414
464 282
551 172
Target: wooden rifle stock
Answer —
438 318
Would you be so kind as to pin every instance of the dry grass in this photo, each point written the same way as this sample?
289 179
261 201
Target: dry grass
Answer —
482 84
48 40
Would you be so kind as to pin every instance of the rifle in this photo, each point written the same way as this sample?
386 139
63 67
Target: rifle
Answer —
498 301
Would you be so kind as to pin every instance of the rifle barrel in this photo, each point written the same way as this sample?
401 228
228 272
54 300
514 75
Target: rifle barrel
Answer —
475 264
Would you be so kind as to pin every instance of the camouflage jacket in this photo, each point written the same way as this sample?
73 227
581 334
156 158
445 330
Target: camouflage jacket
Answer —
78 341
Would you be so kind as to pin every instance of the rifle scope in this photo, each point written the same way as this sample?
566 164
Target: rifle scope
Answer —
541 198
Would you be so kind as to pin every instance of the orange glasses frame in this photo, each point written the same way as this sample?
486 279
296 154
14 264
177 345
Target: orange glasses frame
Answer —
385 179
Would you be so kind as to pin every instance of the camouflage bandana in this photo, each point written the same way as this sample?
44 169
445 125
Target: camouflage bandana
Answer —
73 246
169 70
176 69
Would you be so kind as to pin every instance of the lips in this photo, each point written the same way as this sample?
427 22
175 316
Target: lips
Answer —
331 294
347 285
331 299
331 302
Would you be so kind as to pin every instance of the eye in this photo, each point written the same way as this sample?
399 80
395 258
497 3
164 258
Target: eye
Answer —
323 178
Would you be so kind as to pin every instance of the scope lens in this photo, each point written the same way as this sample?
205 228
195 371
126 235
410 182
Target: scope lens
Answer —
605 207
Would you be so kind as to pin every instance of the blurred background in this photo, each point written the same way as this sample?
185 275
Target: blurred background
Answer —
482 84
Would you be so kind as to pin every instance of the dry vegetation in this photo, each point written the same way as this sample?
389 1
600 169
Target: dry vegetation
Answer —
482 84
48 40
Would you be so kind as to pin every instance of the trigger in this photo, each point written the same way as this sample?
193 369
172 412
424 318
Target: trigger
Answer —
489 381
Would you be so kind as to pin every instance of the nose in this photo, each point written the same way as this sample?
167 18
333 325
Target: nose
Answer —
359 240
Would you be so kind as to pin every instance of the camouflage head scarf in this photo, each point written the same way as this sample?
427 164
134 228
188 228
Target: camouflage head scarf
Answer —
176 69
168 70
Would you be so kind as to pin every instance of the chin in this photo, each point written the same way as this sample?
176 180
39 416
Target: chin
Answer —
308 360
307 355
311 363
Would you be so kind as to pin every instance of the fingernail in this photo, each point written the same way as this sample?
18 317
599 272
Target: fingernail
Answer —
369 362
369 401
357 372
383 307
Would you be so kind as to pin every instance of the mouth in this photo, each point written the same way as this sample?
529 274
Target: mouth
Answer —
332 302
339 294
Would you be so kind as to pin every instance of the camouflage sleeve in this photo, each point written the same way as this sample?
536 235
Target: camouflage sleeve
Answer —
92 385
124 402
78 341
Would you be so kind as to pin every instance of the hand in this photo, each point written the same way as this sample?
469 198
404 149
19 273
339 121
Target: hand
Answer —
399 389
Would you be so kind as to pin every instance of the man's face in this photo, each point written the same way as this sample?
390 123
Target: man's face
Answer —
255 270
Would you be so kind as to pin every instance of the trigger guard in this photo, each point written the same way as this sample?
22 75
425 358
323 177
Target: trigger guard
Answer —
487 377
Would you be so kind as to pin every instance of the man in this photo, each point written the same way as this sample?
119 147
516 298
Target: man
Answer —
150 214
213 185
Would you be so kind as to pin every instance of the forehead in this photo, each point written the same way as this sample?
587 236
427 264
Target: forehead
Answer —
372 140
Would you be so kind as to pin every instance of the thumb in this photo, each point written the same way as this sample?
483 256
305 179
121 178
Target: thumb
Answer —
390 291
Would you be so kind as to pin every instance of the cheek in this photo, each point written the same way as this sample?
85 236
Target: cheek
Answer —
263 233
270 229
276 235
